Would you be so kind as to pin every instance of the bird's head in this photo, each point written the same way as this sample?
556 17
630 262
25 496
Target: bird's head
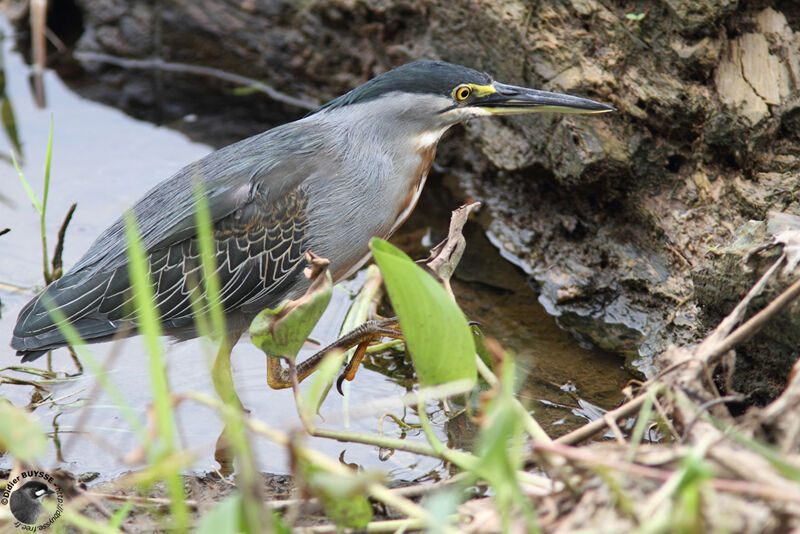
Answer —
435 95
36 490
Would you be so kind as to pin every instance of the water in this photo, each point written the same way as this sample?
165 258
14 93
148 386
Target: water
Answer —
104 160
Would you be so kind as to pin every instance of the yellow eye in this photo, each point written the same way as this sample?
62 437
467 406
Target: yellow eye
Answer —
463 92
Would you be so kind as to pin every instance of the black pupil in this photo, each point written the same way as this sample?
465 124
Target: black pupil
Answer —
464 93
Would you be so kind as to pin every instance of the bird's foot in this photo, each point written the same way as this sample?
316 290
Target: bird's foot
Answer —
361 338
278 377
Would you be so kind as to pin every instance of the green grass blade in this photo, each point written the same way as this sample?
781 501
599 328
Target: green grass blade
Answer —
40 205
249 505
150 327
48 159
74 339
120 515
43 212
26 185
642 422
779 461
208 252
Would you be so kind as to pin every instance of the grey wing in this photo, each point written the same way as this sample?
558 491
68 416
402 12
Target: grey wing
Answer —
258 207
268 166
260 252
260 255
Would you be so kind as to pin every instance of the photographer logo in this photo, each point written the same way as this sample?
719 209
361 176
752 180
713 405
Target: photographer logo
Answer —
23 495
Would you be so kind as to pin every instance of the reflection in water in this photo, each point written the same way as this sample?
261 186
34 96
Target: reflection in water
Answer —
38 18
8 117
105 161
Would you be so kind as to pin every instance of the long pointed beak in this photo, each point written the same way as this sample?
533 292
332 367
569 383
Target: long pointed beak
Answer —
512 99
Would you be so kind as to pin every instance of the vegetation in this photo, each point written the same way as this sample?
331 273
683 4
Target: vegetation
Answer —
432 323
662 476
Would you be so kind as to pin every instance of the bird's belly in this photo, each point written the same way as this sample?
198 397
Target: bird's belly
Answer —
343 221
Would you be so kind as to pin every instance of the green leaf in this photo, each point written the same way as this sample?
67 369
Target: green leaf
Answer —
342 496
224 518
281 332
19 433
635 17
353 512
437 334
443 505
687 514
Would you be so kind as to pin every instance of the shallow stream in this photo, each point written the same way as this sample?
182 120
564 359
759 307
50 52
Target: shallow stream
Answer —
105 160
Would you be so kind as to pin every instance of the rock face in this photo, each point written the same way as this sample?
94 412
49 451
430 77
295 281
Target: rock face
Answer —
609 215
763 363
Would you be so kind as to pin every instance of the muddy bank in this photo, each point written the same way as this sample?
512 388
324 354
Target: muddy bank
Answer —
608 215
764 362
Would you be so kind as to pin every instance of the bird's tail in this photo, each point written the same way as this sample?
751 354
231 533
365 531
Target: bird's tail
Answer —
36 332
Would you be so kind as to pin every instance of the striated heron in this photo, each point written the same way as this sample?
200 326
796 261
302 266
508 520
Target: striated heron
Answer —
326 183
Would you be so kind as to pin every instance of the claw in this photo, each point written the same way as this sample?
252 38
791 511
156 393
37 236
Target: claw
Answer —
352 366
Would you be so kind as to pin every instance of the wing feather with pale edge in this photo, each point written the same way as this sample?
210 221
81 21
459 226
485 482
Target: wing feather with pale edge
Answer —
258 207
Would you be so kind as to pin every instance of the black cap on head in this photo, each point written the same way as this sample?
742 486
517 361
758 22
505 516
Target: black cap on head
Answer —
427 77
